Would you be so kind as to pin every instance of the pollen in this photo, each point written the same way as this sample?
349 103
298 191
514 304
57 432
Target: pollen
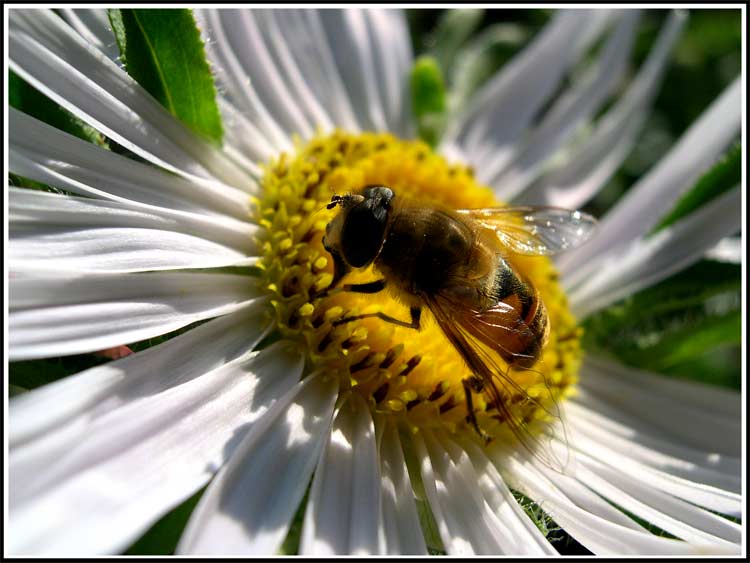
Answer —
415 375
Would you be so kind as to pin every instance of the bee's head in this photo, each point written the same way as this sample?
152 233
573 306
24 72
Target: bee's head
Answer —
357 233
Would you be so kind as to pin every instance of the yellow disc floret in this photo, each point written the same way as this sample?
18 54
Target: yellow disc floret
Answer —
416 375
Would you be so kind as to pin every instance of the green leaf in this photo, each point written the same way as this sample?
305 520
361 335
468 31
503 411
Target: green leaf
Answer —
722 177
481 58
24 97
428 99
453 29
689 325
163 536
162 50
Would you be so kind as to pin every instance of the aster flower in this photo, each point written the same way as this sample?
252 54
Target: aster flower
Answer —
265 395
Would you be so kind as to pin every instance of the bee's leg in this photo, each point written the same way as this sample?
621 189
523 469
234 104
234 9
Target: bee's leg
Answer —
375 286
416 314
476 385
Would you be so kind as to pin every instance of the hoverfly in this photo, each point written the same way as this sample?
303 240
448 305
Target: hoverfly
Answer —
457 264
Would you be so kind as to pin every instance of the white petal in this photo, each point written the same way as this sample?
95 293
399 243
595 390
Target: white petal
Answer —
453 522
245 38
309 44
107 480
42 153
600 535
567 487
390 48
651 198
728 249
105 388
31 209
588 167
466 521
690 423
55 314
243 141
236 84
502 502
343 511
502 109
571 110
116 250
348 36
94 27
249 506
672 515
87 235
645 262
642 444
697 493
400 520
53 58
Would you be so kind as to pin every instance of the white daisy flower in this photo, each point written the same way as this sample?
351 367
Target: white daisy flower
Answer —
265 396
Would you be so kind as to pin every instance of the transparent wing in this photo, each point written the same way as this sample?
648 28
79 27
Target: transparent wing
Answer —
474 335
535 230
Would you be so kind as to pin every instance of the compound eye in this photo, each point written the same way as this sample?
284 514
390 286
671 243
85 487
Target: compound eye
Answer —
363 232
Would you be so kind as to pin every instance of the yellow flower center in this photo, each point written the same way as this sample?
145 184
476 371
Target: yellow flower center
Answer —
416 375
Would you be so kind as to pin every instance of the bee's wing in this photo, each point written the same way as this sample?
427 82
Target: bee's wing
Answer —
474 335
535 230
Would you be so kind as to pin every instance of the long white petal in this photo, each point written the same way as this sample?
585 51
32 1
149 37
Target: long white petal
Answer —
105 388
237 86
600 535
33 208
728 249
51 232
622 272
679 518
651 198
570 111
115 250
502 109
243 34
502 502
249 506
55 314
586 169
701 494
401 528
57 232
390 49
343 511
499 528
454 523
94 27
642 444
51 56
691 423
158 449
37 148
348 36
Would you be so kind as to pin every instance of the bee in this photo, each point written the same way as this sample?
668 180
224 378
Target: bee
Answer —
457 264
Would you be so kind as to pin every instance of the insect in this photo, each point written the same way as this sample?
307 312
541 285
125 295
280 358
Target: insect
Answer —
457 264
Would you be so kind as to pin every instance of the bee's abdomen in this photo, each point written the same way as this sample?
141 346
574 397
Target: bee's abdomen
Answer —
528 322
